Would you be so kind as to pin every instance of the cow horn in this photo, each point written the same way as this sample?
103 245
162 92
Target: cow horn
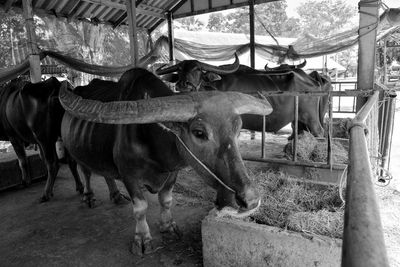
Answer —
225 69
161 70
301 65
177 108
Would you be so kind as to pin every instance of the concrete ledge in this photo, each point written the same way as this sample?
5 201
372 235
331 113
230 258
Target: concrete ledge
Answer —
10 173
233 242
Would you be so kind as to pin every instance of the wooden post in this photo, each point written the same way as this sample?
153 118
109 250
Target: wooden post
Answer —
296 127
369 17
252 42
34 59
171 37
133 40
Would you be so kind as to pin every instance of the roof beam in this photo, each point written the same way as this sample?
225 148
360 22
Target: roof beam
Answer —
61 6
172 8
220 8
123 17
155 12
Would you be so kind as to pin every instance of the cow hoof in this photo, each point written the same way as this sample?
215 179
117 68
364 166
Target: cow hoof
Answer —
46 197
141 247
120 199
89 199
171 231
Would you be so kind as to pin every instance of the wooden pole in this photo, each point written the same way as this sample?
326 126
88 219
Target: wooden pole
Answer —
263 138
133 39
171 37
369 17
296 127
252 41
34 59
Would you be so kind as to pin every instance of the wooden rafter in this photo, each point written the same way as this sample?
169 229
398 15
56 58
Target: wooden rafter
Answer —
60 7
140 9
172 9
214 9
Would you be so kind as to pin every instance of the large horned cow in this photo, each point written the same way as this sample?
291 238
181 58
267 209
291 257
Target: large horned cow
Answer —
31 114
235 77
143 134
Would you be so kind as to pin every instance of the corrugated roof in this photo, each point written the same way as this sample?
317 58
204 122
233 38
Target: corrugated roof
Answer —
150 13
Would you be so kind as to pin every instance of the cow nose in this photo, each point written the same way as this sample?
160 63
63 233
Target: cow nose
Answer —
248 198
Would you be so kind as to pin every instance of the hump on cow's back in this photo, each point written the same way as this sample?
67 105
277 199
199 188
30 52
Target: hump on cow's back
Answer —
99 89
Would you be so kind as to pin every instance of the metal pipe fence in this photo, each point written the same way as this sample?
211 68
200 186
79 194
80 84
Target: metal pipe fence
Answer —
363 243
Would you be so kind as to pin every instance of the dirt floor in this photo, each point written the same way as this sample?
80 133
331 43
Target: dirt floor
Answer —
65 232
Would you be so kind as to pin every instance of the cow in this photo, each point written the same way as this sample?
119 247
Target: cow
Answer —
196 76
31 113
143 133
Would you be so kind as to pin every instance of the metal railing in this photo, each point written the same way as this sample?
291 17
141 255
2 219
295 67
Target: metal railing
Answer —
363 243
344 104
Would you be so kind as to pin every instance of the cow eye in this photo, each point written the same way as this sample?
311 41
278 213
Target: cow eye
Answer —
199 134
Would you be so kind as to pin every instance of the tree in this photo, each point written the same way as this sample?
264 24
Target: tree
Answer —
12 34
190 23
324 17
270 17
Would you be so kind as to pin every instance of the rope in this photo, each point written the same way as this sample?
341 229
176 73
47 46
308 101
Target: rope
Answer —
265 28
341 185
195 158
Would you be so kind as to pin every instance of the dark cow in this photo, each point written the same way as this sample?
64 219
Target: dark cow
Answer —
234 77
31 114
143 134
285 67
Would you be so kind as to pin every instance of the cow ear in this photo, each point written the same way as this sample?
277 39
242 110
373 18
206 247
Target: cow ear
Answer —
211 77
171 77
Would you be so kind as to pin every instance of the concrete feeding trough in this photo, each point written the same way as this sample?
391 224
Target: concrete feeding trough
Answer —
297 224
234 242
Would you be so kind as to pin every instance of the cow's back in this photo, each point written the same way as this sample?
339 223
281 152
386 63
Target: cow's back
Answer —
105 148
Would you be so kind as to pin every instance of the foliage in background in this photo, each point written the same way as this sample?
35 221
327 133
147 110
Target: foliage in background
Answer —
272 15
324 17
12 33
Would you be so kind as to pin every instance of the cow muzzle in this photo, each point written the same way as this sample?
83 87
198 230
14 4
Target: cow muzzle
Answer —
248 199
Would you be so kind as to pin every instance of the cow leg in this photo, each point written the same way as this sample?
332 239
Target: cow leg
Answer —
50 157
142 243
167 224
115 195
88 195
19 149
73 166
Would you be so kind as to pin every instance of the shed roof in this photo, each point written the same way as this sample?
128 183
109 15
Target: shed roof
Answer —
150 13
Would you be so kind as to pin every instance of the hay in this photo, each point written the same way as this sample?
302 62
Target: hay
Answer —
339 128
305 145
322 222
339 153
312 150
298 206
